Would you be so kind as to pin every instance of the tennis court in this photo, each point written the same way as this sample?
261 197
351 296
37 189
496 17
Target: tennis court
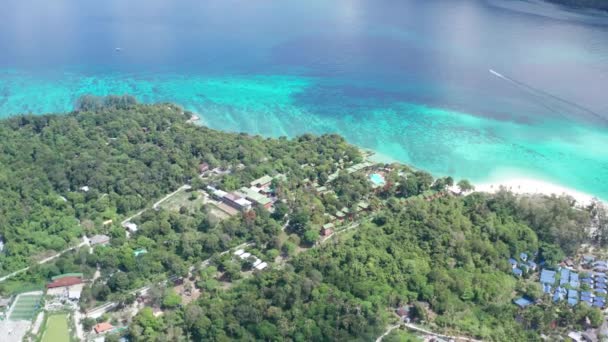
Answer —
25 307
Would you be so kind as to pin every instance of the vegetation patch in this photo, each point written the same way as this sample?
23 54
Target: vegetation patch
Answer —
56 329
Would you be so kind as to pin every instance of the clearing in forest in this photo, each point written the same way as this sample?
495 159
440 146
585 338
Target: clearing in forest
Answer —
56 329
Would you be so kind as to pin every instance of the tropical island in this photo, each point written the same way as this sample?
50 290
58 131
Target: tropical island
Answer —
122 219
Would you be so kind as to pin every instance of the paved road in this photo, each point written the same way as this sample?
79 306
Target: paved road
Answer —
352 226
424 331
388 331
85 241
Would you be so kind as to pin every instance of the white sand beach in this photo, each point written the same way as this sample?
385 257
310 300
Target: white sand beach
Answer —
534 186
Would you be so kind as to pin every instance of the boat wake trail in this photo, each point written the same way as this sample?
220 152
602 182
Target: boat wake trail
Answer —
552 102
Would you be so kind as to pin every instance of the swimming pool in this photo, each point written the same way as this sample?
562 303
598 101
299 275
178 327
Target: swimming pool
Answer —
376 178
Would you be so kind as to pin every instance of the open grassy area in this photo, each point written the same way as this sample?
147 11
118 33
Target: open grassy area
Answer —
56 329
183 199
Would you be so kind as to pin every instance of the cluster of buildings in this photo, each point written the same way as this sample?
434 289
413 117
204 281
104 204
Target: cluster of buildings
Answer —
257 263
523 265
566 284
258 193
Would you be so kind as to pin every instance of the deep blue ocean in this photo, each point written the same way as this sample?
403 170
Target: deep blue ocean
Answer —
410 79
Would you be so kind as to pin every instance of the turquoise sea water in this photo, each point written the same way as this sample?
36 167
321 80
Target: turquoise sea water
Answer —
408 79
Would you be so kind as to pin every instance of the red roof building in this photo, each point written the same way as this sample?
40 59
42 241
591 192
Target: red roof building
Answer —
66 281
103 327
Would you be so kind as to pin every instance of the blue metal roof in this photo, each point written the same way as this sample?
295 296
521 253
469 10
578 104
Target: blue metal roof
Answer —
517 272
522 302
586 293
547 277
573 276
574 283
546 288
600 286
557 297
572 294
572 301
532 264
523 256
602 291
512 261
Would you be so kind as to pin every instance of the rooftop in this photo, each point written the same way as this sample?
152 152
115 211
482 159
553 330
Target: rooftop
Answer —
65 281
266 179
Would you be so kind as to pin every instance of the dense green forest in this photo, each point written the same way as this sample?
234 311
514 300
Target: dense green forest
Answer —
595 4
445 256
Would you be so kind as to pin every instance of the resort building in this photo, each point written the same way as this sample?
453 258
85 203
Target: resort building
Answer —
255 197
237 202
69 287
103 327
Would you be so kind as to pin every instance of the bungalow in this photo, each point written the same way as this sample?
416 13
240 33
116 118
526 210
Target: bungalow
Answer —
202 168
572 301
518 272
103 327
131 227
547 289
70 287
262 182
245 255
547 277
523 257
522 302
99 240
403 311
257 262
239 252
574 282
261 266
588 259
340 216
327 229
572 294
513 262
532 265
363 206
557 296
564 276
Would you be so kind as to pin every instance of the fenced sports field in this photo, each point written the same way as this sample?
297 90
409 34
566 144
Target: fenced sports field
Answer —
25 307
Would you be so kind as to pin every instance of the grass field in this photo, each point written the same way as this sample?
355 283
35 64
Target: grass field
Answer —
56 329
25 307
182 199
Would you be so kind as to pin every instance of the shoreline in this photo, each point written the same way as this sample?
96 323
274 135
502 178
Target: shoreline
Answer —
532 186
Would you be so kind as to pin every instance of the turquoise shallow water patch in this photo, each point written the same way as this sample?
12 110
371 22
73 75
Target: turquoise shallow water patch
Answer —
445 142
